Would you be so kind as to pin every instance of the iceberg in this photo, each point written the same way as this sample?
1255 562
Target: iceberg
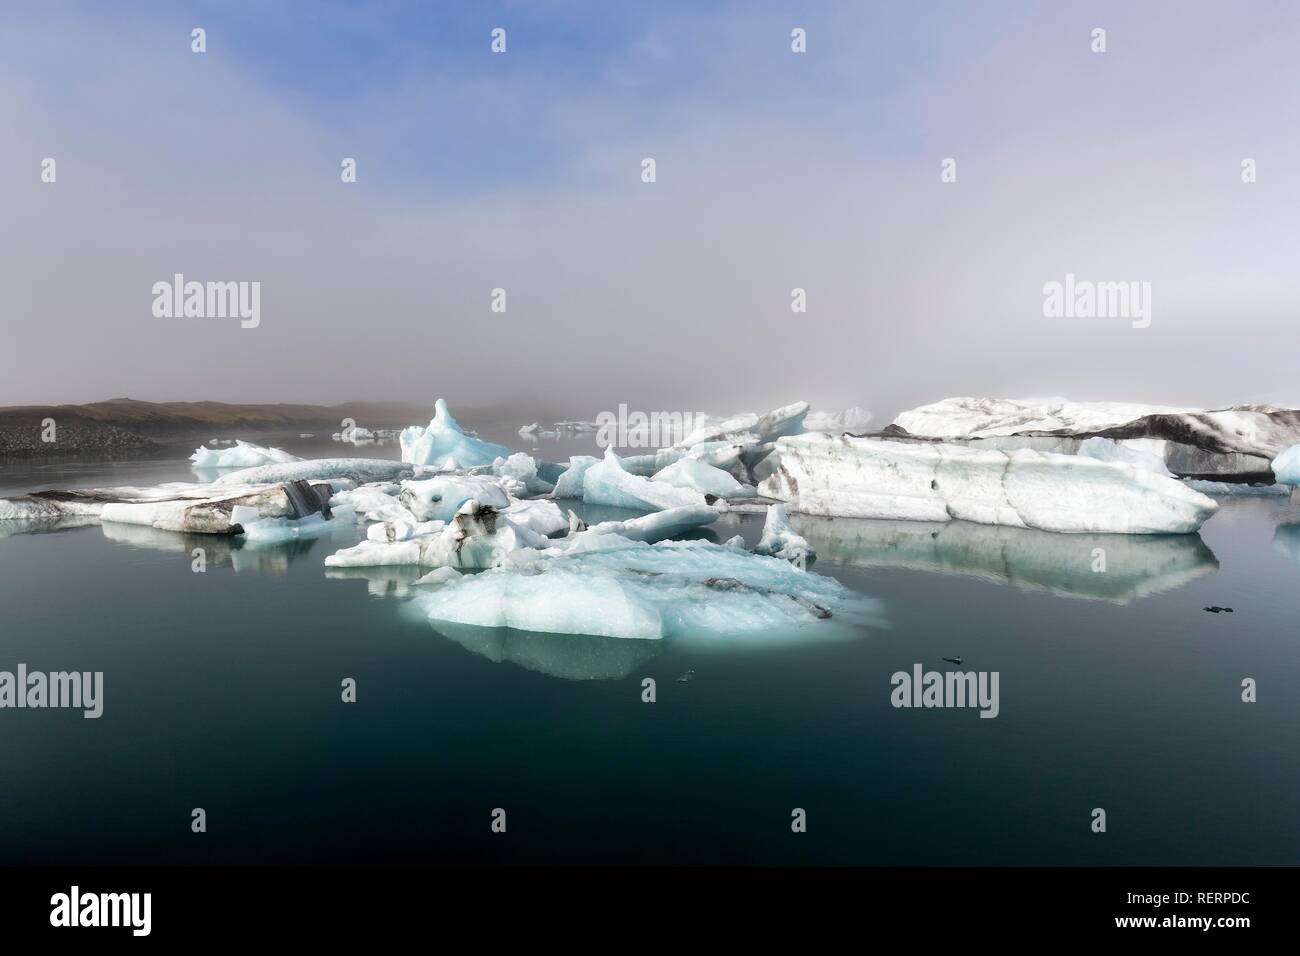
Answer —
570 482
243 455
1286 466
176 506
780 540
438 499
609 586
1236 443
444 445
476 537
659 524
870 478
693 474
319 469
609 483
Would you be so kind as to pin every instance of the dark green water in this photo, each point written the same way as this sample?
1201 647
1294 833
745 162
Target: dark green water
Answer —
222 691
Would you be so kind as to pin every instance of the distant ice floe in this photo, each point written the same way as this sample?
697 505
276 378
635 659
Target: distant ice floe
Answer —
242 455
443 444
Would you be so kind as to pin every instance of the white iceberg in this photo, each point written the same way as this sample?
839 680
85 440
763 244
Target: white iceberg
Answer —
750 428
438 499
243 455
570 483
695 475
1235 443
476 537
443 444
780 540
319 469
614 587
867 478
608 483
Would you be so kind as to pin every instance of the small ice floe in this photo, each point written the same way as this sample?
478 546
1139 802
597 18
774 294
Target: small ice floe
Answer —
954 660
780 540
445 445
686 677
1216 609
870 478
243 455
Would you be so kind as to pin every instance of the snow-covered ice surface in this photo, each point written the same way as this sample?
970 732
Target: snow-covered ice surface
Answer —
443 444
868 478
615 587
242 455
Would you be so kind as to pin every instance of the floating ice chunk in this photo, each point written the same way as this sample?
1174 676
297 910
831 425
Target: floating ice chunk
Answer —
696 475
660 524
854 419
438 499
858 477
377 502
635 590
318 469
570 482
269 531
522 469
443 443
201 509
539 516
243 455
529 431
1286 466
607 483
476 537
780 540
1105 449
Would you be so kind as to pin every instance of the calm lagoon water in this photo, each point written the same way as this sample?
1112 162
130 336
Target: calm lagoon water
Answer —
222 691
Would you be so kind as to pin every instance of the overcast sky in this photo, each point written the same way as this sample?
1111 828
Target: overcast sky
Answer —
775 170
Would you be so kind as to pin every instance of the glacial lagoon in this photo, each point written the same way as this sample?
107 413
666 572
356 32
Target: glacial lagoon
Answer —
222 691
